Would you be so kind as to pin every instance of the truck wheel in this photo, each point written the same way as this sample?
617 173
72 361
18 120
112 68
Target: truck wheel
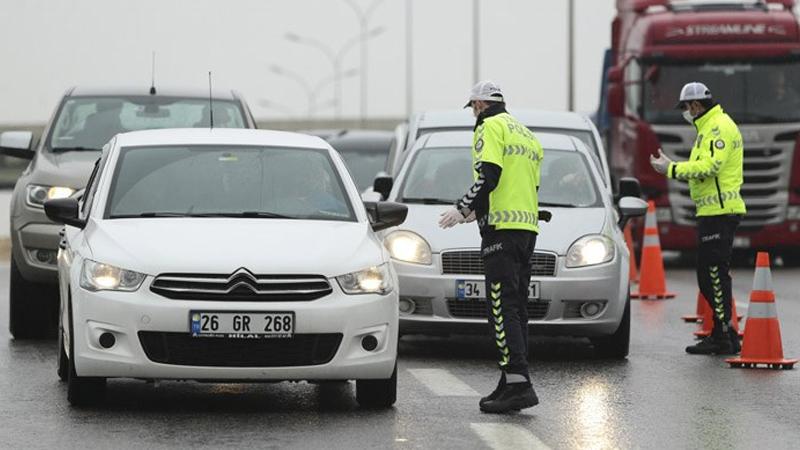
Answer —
616 345
81 391
377 393
30 307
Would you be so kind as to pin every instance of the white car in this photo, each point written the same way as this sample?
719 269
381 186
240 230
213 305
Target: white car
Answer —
579 278
225 255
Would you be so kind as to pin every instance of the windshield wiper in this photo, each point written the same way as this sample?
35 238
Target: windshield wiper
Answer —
429 201
148 214
246 214
73 149
558 205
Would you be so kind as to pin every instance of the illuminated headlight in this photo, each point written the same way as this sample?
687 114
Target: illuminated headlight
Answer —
663 215
38 194
374 280
590 250
408 246
793 213
97 276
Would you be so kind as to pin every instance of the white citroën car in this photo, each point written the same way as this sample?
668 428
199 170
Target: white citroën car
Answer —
225 255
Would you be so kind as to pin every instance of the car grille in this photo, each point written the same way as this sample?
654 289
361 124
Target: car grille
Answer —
469 262
185 350
476 308
766 176
241 286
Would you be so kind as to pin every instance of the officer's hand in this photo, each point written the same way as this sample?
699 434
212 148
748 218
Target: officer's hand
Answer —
470 218
660 164
450 218
545 216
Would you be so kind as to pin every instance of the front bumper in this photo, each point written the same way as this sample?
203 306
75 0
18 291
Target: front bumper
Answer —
435 295
126 314
32 232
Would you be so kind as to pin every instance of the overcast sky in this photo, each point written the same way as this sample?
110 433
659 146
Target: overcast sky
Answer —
48 45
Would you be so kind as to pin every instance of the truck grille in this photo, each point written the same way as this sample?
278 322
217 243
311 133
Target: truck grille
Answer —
184 350
476 309
469 262
241 285
766 178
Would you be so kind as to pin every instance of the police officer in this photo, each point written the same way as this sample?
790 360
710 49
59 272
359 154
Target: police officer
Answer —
506 158
714 173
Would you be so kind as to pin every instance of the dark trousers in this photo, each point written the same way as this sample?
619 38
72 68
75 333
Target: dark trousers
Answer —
715 245
507 260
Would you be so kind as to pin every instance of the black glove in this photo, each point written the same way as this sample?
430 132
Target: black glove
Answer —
545 216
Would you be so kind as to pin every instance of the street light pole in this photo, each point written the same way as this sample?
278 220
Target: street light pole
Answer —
363 20
296 77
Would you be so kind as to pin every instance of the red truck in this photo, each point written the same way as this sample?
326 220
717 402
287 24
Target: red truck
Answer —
748 54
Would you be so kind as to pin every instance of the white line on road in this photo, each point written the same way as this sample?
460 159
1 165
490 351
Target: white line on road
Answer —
502 436
443 383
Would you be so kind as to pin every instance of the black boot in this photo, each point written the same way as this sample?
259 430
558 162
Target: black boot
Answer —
512 397
712 345
500 385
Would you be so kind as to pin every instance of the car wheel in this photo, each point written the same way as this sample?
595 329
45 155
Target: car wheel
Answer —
377 393
616 345
30 312
81 391
63 363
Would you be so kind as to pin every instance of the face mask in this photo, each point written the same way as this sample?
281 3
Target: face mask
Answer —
688 116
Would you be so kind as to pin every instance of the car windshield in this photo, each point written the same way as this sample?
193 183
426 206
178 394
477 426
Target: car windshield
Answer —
749 92
227 181
364 165
443 175
87 123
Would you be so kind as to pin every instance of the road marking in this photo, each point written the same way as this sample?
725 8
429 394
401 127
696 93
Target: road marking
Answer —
443 383
502 436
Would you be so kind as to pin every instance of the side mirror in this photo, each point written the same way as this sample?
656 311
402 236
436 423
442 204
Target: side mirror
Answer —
631 207
383 215
383 184
629 187
16 144
64 211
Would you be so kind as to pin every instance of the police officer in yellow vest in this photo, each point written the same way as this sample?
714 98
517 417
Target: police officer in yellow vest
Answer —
714 173
506 158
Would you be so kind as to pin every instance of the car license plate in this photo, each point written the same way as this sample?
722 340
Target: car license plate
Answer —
741 242
466 289
242 325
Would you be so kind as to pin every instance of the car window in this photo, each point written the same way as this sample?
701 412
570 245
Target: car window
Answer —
89 122
209 180
445 174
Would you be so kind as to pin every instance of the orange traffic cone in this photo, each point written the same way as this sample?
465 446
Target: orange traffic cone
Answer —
707 318
652 284
762 337
702 306
633 274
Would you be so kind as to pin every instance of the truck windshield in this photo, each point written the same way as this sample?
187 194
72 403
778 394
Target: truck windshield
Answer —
749 92
87 123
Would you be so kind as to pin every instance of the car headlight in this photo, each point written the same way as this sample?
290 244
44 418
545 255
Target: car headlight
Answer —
97 276
38 194
590 250
408 246
373 280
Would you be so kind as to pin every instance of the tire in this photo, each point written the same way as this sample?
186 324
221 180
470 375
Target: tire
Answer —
63 361
791 258
617 345
81 391
377 393
30 307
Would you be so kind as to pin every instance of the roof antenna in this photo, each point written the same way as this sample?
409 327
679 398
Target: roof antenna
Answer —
153 74
210 103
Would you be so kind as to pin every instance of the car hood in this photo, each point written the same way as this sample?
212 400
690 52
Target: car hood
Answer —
69 169
567 225
222 245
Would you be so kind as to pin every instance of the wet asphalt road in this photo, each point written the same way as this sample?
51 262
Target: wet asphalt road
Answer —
659 397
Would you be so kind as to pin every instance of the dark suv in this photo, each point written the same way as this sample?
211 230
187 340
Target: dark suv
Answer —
61 161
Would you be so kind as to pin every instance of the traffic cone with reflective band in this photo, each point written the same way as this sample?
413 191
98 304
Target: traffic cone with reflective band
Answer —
762 332
707 318
652 283
702 307
633 273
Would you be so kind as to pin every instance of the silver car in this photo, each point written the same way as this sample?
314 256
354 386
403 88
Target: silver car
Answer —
580 284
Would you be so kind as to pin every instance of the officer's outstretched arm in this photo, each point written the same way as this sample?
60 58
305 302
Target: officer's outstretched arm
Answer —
488 178
706 167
